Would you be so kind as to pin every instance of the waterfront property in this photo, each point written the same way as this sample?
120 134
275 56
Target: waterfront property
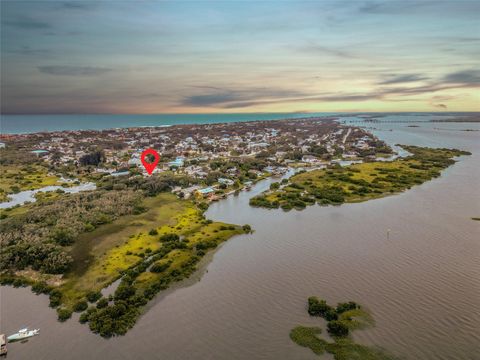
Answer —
206 191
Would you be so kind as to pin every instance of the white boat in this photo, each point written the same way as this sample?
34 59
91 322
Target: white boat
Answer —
23 334
3 345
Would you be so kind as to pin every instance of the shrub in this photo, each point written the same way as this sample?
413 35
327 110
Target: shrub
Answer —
274 186
102 303
64 314
159 267
55 298
124 291
18 282
41 287
337 328
80 306
342 307
318 307
153 232
169 237
62 236
83 318
93 296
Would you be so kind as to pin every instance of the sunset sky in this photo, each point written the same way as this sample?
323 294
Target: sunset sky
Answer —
207 57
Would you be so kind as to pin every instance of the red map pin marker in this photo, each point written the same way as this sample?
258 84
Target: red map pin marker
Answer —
150 166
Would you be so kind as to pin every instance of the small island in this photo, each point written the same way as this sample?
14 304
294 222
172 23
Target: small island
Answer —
341 321
335 184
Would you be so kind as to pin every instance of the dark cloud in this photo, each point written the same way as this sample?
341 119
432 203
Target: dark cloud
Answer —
466 39
77 5
331 98
416 7
27 23
27 50
226 98
210 99
393 7
73 70
454 80
325 50
229 99
403 79
353 97
463 77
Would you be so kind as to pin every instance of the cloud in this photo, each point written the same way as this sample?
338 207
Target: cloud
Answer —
268 96
443 97
454 80
403 79
227 98
27 50
77 5
319 49
73 70
27 23
210 99
463 77
331 98
231 99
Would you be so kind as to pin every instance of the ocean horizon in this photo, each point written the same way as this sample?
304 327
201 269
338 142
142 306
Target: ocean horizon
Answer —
26 124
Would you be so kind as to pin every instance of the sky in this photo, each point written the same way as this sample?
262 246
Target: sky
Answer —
239 56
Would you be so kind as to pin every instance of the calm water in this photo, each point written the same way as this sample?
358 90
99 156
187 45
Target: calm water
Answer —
29 195
422 283
19 124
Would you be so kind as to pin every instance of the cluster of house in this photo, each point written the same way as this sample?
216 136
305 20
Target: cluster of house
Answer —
204 192
190 149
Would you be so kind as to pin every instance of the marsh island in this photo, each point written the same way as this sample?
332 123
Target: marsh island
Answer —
341 321
335 184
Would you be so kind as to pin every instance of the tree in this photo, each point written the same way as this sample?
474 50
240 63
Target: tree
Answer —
102 303
64 314
93 296
342 307
93 158
169 237
337 328
80 306
124 291
159 267
318 307
62 236
55 298
274 186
